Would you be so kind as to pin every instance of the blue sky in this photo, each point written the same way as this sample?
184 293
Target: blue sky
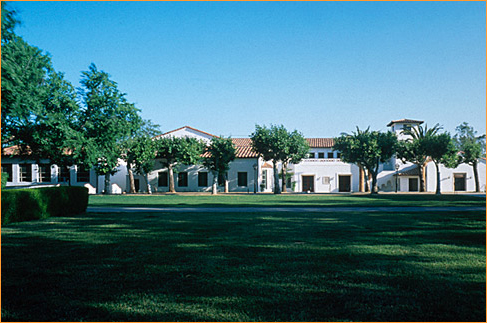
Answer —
319 67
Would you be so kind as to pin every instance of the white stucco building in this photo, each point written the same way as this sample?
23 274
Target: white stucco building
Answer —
322 172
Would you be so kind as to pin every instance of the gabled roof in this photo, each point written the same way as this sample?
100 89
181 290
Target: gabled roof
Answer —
404 121
320 142
185 127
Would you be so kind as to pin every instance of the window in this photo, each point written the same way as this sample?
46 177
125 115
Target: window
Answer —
7 168
183 179
406 127
289 182
202 179
242 178
44 173
311 155
162 179
339 155
25 173
82 176
63 174
330 154
264 179
321 155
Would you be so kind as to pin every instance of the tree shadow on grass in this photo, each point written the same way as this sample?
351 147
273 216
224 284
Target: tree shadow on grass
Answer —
245 267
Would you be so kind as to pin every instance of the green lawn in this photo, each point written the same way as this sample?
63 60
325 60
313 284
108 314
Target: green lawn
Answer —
236 200
246 267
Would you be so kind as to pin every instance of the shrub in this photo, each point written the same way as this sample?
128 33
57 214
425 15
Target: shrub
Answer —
40 203
4 179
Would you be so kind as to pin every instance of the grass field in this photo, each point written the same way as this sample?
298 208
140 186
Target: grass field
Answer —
288 200
246 267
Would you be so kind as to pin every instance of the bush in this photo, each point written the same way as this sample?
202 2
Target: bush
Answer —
4 179
40 203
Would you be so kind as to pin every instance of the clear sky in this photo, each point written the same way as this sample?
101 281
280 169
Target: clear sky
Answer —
322 68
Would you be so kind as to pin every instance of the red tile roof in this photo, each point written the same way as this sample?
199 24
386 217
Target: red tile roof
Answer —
15 151
404 121
320 142
244 148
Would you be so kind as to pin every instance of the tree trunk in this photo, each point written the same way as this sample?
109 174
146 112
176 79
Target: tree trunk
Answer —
366 181
476 177
421 170
214 187
131 179
374 188
361 179
171 178
438 180
277 189
225 176
146 177
107 184
283 180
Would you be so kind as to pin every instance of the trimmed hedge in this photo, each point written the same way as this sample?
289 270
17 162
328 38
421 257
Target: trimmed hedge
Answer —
40 203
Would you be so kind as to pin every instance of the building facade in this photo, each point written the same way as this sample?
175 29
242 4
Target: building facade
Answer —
321 172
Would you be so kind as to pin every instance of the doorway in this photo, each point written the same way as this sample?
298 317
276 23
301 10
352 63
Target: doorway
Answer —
308 183
460 182
413 185
344 183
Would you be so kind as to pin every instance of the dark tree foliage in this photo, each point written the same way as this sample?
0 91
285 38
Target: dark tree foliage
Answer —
471 148
174 151
222 152
367 149
276 144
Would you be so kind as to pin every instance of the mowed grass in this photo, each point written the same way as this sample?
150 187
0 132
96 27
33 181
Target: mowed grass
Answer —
246 267
285 200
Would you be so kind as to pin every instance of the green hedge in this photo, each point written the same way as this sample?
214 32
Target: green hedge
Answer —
40 203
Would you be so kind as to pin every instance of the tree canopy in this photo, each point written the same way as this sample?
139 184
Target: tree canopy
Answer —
367 149
471 148
221 153
276 144
175 151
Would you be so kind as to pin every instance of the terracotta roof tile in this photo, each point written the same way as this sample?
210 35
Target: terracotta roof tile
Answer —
244 148
320 142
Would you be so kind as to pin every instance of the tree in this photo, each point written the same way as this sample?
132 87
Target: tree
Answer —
296 149
141 156
24 72
276 144
39 107
176 151
107 118
441 149
367 149
471 148
221 153
134 142
414 150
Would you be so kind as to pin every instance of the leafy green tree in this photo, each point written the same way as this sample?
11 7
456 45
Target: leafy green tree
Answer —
141 156
276 144
105 121
296 149
175 151
441 150
414 150
221 153
141 129
25 69
367 149
471 148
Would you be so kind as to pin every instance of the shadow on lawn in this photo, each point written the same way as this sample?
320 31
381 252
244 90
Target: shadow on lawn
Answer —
252 267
